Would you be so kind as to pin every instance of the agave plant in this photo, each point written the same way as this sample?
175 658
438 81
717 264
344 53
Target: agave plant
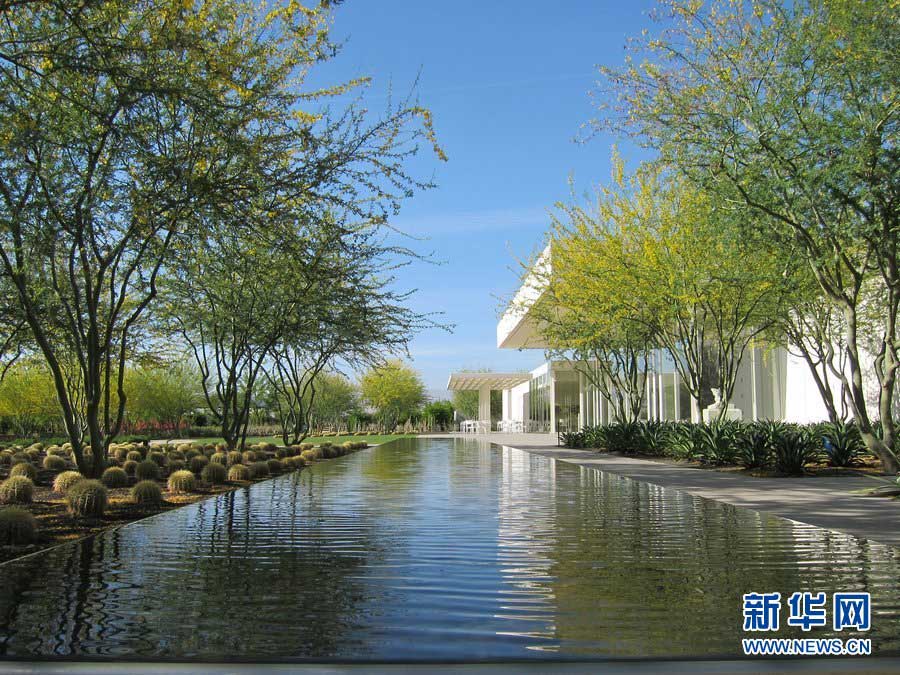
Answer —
718 442
794 448
754 448
685 441
654 437
572 439
624 437
595 437
842 443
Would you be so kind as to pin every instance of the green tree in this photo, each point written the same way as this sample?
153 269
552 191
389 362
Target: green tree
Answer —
28 399
394 390
657 264
791 112
164 394
120 123
438 414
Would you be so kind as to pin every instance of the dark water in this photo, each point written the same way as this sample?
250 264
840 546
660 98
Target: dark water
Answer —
433 550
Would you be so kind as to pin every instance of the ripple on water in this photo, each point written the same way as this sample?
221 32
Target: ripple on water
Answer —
433 549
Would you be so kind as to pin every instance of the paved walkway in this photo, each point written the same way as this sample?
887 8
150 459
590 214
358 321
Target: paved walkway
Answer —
829 502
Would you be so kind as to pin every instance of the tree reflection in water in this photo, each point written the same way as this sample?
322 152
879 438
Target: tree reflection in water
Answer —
432 549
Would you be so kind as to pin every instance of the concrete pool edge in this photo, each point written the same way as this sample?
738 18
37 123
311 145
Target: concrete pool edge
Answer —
873 664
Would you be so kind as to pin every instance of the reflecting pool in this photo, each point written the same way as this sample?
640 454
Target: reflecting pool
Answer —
434 550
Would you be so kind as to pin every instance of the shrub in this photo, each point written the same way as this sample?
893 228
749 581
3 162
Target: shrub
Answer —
16 490
274 466
238 472
793 449
146 493
182 482
24 469
17 527
259 470
146 470
54 463
214 473
134 456
65 480
842 443
685 442
718 442
624 437
234 457
754 449
87 499
114 477
197 463
219 458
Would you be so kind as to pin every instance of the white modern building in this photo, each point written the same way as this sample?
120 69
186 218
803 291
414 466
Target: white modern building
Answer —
772 383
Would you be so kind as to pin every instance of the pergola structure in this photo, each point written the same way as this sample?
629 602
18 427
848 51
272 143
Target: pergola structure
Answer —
484 383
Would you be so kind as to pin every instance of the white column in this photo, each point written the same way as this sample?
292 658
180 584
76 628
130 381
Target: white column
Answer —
552 399
676 388
582 400
661 387
754 410
484 404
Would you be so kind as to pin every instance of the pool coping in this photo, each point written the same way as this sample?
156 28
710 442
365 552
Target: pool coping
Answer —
874 664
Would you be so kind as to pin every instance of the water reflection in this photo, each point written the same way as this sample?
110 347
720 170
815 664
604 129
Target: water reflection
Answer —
432 550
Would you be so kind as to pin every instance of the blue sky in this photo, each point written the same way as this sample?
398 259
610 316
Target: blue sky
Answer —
508 85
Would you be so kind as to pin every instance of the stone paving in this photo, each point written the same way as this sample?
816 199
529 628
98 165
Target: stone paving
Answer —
834 503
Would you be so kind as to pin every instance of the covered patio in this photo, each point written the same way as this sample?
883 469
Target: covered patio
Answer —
484 384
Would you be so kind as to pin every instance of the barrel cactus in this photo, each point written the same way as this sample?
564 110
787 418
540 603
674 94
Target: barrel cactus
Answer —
198 463
54 463
259 470
146 470
114 477
65 480
219 458
214 473
238 472
17 527
24 469
16 490
146 493
182 482
87 499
